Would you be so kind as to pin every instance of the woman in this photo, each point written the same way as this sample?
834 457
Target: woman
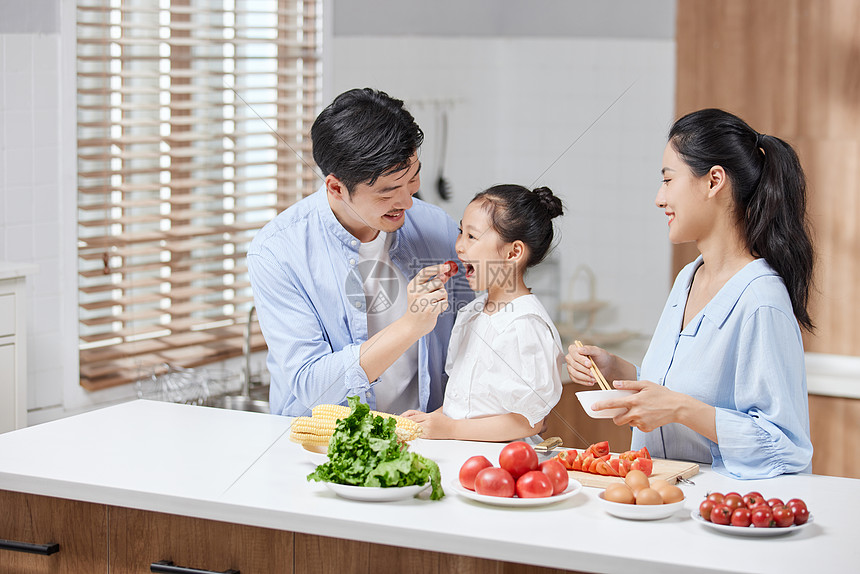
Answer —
724 381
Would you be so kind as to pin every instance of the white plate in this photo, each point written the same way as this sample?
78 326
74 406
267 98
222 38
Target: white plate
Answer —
573 486
749 530
375 494
316 454
640 511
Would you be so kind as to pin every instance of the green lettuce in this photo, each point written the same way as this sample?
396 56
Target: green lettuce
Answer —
364 451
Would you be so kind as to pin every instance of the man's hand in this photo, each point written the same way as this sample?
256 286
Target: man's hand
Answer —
426 299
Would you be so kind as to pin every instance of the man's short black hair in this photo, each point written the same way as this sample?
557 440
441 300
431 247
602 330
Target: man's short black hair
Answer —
362 135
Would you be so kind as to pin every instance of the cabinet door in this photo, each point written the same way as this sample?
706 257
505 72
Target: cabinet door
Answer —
139 539
7 388
32 523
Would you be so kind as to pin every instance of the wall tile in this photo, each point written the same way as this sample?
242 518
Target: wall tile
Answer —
19 167
18 241
47 281
18 206
46 241
47 166
46 91
46 127
18 89
19 129
18 53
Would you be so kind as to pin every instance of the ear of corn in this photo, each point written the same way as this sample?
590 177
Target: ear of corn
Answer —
317 429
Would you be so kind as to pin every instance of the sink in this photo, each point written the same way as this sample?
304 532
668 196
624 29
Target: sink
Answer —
240 403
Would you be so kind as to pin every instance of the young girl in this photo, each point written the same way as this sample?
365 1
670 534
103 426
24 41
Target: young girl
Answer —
723 381
505 355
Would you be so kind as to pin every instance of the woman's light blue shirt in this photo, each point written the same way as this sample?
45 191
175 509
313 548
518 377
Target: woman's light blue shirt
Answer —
743 354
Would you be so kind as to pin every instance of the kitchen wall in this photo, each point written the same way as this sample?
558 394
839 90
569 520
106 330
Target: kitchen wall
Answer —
575 95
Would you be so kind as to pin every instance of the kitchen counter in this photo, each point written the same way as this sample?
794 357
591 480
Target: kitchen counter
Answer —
241 468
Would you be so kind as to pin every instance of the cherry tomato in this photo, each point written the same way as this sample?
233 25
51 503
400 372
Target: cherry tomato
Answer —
775 502
470 470
752 498
518 458
783 516
452 270
741 516
705 509
801 512
717 497
493 481
556 474
733 500
762 516
721 514
534 484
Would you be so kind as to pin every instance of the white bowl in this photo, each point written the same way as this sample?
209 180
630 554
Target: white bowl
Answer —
640 511
588 398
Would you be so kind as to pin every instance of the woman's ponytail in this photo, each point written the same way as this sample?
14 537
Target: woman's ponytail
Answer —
776 224
769 189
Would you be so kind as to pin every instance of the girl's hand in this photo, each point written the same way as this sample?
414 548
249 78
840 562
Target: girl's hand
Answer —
652 406
579 363
434 425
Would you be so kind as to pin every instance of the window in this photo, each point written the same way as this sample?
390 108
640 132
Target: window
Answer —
193 118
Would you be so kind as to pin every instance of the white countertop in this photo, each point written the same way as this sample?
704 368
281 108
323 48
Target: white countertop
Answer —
11 270
241 467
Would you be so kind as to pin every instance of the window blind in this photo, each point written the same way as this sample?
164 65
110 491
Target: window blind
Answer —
193 118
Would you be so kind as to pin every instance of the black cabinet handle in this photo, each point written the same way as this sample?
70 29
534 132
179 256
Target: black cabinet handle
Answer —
15 546
167 567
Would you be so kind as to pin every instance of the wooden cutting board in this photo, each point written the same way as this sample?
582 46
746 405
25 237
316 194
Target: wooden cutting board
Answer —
668 470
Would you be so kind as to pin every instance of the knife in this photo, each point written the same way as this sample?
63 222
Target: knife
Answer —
545 447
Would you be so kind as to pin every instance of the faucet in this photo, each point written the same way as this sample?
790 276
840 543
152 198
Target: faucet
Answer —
246 350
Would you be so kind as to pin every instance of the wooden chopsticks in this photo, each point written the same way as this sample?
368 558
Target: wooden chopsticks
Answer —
598 376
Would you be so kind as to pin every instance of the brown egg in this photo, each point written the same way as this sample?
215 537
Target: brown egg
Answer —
648 496
636 480
659 484
619 492
669 492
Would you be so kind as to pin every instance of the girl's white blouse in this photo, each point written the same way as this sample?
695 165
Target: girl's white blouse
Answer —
507 362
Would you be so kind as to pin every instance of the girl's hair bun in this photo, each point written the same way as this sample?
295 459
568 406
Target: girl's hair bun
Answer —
549 201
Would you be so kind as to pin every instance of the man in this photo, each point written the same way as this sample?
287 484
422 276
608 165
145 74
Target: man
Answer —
350 283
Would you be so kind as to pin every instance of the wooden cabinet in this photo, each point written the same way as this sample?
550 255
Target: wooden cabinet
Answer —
95 538
33 523
140 538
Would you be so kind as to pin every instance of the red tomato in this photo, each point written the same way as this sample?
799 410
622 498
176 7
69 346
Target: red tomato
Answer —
705 509
717 497
643 452
646 465
783 516
733 500
452 270
534 484
741 516
599 449
470 470
775 502
762 516
721 514
557 475
493 481
518 458
566 458
752 498
801 512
